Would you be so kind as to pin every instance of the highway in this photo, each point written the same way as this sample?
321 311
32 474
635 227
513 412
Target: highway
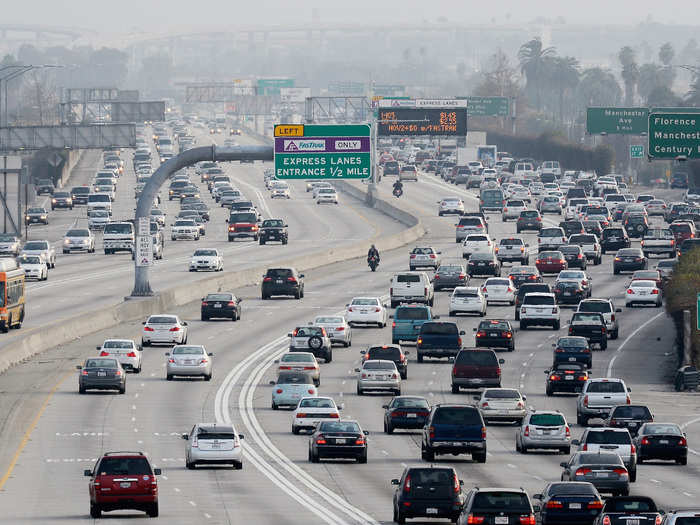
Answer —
41 469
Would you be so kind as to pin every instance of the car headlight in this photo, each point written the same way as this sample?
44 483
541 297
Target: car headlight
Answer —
53 200
66 241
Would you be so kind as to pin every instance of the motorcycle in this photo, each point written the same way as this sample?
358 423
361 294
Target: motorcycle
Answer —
398 192
373 262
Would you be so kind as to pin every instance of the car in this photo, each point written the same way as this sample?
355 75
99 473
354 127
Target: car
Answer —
378 375
188 360
388 353
300 362
312 339
131 480
665 269
484 263
607 309
476 368
604 470
273 230
655 207
599 396
338 439
282 281
438 339
44 186
337 328
615 440
421 257
619 510
405 412
213 444
98 219
164 328
413 287
631 417
572 227
476 243
526 287
590 246
290 388
512 209
643 292
327 195
407 321
512 249
280 191
469 224
592 226
36 215
543 430
495 333
521 275
539 309
126 351
661 441
682 517
77 239
565 377
34 266
467 299
450 205
427 492
311 411
659 241
590 325
501 404
450 276
687 245
220 305
499 290
572 349
209 259
529 220
568 502
184 229
454 429
366 310
101 373
550 204
61 199
551 262
497 505
683 230
551 239
614 238
408 172
636 225
578 276
569 292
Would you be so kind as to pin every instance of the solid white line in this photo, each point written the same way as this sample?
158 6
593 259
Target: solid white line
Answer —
629 337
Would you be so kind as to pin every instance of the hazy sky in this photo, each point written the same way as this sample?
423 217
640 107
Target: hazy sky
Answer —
160 16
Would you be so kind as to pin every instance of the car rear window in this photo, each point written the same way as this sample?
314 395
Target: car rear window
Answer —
552 232
279 273
101 363
439 329
476 358
389 353
605 387
161 319
625 505
413 314
600 459
123 466
294 379
494 325
631 412
502 393
538 300
502 501
529 214
511 242
547 420
205 433
432 476
318 402
408 278
457 416
592 317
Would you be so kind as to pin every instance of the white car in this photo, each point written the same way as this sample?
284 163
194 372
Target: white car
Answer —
655 207
126 351
467 300
450 205
207 259
280 190
520 193
79 239
579 276
42 248
502 404
327 195
318 187
164 328
337 328
311 410
499 290
213 443
366 310
300 362
643 292
477 243
97 219
551 186
378 374
513 208
539 308
184 229
34 266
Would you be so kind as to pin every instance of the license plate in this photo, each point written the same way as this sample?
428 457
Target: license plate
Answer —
431 510
633 424
189 362
217 306
279 281
632 522
340 441
411 415
567 293
363 311
482 264
125 484
572 359
601 474
568 377
574 505
215 445
494 335
501 520
101 374
663 442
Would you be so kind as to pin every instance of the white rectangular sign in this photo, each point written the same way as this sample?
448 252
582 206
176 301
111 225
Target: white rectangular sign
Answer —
440 103
144 226
11 162
294 94
144 250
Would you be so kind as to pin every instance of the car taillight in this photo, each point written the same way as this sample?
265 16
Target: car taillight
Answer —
334 416
621 471
528 519
118 373
481 333
633 449
630 291
420 341
175 329
171 360
393 324
364 375
104 353
485 404
585 401
285 367
204 303
475 520
554 377
407 484
360 441
267 279
462 275
655 292
413 256
582 471
433 256
291 279
645 441
131 354
554 310
147 329
597 504
526 432
585 446
606 520
629 401
279 390
483 432
84 372
321 440
554 504
230 303
311 391
457 486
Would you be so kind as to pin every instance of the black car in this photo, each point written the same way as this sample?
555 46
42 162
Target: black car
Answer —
61 199
566 377
572 227
497 505
101 373
573 349
614 239
629 259
79 194
529 220
569 292
574 256
36 215
175 188
438 339
664 441
636 225
495 333
388 353
405 412
526 288
626 510
338 439
605 470
273 230
44 186
450 276
570 502
224 305
282 281
427 492
521 275
391 167
483 264
631 417
590 325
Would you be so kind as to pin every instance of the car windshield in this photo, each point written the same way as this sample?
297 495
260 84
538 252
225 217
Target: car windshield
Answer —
204 253
30 259
547 420
101 363
242 217
75 233
189 350
185 222
658 428
605 387
365 301
118 344
116 466
162 319
36 210
294 379
339 426
276 223
409 402
36 245
502 393
502 501
317 402
439 329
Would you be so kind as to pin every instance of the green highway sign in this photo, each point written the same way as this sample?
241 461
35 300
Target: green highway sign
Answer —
488 106
673 135
697 313
346 88
388 90
322 151
636 151
271 86
617 121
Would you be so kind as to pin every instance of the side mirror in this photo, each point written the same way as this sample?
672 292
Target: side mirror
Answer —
524 397
289 334
185 436
385 406
184 323
143 323
618 310
439 253
406 352
462 332
87 473
476 398
357 370
365 432
276 361
226 220
546 372
345 307
272 382
436 317
167 353
301 275
537 508
241 436
139 348
563 464
473 329
79 367
501 361
157 471
537 496
210 354
393 481
391 316
629 389
575 442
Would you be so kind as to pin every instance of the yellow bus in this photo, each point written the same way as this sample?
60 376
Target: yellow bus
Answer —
11 295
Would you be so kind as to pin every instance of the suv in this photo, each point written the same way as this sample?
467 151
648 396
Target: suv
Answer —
45 186
454 429
605 307
123 480
388 353
513 249
438 339
427 492
424 257
476 368
415 287
543 429
312 339
614 238
631 417
273 230
539 309
590 246
550 239
529 220
469 224
497 505
525 289
407 321
282 281
606 439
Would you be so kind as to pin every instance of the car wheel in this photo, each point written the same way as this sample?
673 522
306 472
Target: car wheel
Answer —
404 375
204 318
565 450
169 377
207 377
581 420
363 458
313 457
274 406
615 334
557 325
616 271
189 465
153 510
359 390
523 325
455 389
419 358
548 391
81 390
633 475
481 457
517 316
427 455
295 430
122 389
95 511
682 461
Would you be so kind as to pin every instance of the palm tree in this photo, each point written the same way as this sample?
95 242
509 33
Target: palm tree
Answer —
565 76
692 98
630 72
598 87
666 54
650 77
533 64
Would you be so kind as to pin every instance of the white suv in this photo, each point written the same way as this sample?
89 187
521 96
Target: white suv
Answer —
539 309
608 311
476 243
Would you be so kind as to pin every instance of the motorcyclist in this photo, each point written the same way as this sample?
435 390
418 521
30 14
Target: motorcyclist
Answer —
372 252
398 185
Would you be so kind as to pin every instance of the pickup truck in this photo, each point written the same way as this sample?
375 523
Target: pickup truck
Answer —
625 510
599 396
590 325
659 241
438 339
454 429
513 249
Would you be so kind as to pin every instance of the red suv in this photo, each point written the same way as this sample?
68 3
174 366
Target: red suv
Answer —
123 480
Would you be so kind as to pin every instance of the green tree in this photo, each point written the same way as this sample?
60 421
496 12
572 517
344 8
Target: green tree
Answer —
534 59
630 72
598 87
663 97
666 55
692 97
650 77
564 76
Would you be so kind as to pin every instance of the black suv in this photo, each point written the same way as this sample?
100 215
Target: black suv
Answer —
427 492
614 239
636 225
273 230
496 505
79 194
388 353
282 281
527 288
61 199
44 186
454 429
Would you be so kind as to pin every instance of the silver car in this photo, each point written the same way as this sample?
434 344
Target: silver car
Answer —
378 374
213 444
188 360
336 327
543 429
79 239
126 351
501 404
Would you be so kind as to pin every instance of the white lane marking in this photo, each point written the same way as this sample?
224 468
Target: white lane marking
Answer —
691 422
176 489
192 503
629 338
208 516
654 480
385 452
688 494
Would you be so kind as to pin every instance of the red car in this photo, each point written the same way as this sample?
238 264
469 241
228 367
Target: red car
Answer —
123 480
551 262
647 275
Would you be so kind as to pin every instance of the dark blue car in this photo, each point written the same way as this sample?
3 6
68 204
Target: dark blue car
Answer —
570 502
